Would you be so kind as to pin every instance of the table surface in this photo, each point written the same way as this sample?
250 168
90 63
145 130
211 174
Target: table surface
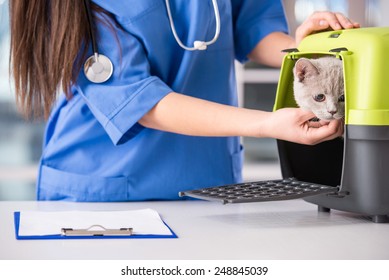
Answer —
209 230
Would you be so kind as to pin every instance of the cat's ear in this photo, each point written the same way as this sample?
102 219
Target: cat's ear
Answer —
304 69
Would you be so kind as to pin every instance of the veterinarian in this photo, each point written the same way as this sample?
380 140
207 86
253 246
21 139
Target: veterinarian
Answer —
148 103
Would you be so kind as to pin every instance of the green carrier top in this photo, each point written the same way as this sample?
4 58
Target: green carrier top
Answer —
365 56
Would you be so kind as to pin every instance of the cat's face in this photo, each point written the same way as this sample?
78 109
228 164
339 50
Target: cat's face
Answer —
319 86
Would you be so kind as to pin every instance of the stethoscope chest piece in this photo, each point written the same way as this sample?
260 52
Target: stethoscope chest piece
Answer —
98 68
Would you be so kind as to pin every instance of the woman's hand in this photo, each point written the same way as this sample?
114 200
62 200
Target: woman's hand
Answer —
292 124
268 50
319 21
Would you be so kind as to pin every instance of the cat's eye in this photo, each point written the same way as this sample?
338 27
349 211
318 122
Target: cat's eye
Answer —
341 98
319 97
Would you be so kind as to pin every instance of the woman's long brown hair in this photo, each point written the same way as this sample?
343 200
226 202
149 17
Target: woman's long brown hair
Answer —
49 40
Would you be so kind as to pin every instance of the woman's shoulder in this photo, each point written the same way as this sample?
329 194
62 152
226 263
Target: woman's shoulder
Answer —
129 11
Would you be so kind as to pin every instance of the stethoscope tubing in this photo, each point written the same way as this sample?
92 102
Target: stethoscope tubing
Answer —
201 45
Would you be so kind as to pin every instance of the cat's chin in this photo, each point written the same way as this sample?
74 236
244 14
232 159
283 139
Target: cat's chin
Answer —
329 118
336 118
325 118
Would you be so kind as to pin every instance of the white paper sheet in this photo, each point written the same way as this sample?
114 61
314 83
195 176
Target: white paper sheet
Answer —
143 221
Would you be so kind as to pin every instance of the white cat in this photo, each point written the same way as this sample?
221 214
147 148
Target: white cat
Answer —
319 86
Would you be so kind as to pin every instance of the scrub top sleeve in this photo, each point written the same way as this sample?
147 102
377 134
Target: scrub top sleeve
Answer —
119 103
254 20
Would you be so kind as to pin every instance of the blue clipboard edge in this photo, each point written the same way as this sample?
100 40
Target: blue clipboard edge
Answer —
59 236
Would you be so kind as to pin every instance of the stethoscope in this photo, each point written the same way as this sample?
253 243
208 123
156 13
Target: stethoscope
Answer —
197 45
98 68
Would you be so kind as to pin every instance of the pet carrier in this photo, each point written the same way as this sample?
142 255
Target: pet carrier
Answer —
350 173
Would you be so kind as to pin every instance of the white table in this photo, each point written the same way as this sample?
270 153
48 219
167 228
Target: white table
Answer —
209 230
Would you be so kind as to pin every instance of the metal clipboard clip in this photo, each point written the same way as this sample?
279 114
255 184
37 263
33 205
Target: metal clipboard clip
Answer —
96 230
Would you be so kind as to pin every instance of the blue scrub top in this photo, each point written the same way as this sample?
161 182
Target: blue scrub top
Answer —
94 147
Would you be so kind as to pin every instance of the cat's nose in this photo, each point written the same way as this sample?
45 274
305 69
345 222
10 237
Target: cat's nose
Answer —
333 112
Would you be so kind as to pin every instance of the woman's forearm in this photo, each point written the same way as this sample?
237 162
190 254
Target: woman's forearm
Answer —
183 114
269 50
187 115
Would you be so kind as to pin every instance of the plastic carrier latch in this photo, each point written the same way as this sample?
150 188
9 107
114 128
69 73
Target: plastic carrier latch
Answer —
290 50
339 50
283 189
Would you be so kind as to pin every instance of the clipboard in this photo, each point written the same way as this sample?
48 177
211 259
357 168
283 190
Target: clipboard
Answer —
103 233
